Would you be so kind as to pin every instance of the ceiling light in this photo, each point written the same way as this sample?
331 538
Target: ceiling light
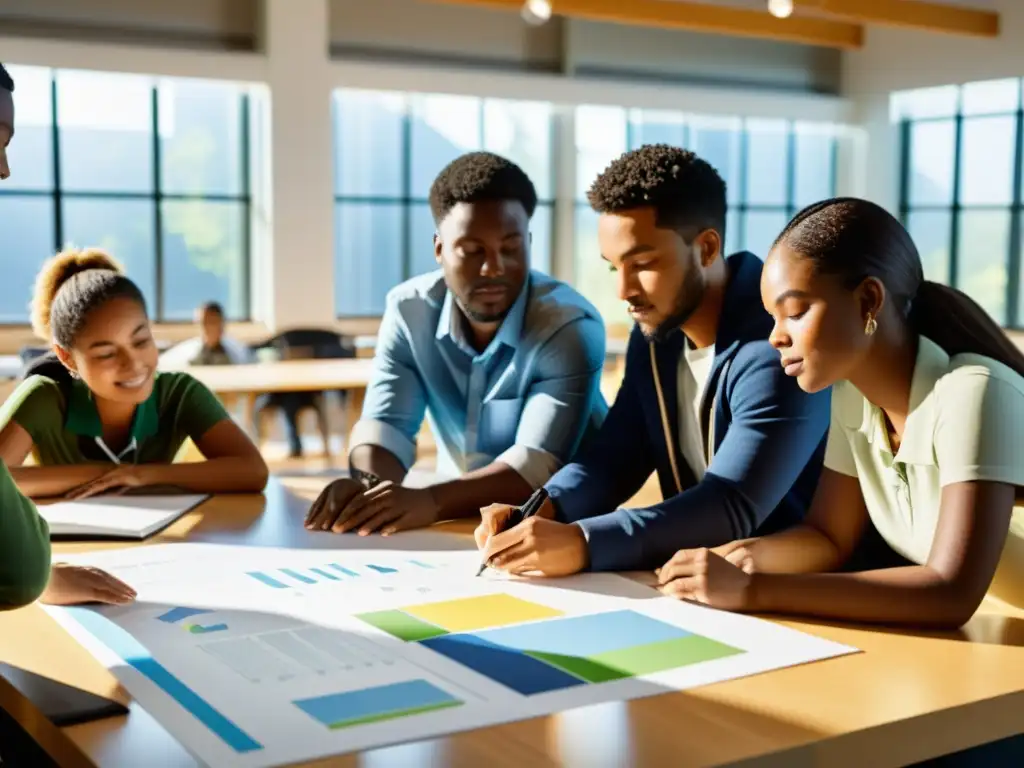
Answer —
780 9
536 12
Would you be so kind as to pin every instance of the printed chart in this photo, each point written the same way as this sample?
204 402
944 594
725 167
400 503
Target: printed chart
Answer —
301 654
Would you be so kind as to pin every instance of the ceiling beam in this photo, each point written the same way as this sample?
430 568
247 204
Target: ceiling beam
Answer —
699 17
933 17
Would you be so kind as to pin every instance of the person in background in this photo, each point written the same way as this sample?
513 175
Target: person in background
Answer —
6 120
506 361
211 347
96 414
25 570
926 437
736 444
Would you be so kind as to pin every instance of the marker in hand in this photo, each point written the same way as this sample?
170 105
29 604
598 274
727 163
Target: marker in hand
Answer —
528 510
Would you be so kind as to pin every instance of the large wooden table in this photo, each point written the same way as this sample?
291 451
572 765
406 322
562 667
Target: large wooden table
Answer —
251 381
910 696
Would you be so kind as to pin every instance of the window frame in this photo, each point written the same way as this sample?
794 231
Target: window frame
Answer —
156 196
1014 319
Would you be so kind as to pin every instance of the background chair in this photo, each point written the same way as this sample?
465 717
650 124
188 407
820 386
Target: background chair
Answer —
301 344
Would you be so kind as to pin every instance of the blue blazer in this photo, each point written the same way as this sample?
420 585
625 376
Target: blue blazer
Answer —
765 435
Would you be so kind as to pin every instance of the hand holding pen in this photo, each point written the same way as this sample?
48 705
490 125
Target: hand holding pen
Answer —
508 518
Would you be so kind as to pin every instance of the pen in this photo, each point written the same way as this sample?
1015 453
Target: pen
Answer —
528 510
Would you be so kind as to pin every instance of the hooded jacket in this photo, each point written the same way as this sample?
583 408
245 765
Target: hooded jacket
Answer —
764 437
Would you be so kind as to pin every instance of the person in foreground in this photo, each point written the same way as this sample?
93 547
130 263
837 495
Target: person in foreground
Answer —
97 416
736 444
925 441
25 571
505 360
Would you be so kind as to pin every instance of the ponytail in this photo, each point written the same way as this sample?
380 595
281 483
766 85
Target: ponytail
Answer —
958 324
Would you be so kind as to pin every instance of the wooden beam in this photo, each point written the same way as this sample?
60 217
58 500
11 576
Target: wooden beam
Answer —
699 17
933 17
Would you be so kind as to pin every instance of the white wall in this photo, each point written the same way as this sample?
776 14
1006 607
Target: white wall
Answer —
293 74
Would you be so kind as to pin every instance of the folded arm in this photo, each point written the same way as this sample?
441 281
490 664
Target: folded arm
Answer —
775 431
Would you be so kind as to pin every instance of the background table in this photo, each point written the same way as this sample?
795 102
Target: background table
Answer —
909 697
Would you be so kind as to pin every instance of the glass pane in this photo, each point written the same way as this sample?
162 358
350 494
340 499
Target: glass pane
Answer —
983 252
718 142
204 258
814 177
767 162
600 138
443 127
990 97
521 131
200 137
540 242
926 102
27 226
593 278
123 228
654 126
368 259
987 160
760 229
421 245
368 144
932 149
106 132
31 152
733 235
930 231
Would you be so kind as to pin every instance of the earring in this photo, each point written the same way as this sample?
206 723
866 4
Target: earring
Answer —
870 326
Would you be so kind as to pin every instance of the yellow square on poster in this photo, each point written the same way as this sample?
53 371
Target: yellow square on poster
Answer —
480 612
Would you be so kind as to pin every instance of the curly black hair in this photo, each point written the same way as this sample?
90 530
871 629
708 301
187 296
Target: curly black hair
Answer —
477 177
685 191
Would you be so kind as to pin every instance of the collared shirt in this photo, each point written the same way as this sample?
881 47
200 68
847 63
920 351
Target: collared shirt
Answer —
527 400
966 423
64 423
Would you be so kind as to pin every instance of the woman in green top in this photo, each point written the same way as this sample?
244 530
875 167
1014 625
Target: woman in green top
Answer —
101 417
925 443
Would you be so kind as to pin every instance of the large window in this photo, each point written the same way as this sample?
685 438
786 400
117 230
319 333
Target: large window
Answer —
388 149
154 171
961 189
771 168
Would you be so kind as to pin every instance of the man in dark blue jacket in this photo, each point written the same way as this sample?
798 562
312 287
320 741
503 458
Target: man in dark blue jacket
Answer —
737 445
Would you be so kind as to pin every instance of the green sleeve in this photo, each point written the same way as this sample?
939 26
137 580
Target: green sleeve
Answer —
37 405
24 547
198 408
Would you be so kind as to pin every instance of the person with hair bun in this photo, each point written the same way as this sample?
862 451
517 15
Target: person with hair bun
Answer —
96 414
925 443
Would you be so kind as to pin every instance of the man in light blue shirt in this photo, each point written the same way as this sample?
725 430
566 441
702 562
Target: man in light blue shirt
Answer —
505 362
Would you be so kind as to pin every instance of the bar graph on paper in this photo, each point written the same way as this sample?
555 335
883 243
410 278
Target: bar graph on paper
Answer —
300 655
292 578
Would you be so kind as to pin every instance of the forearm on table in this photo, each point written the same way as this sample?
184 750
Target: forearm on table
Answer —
497 483
376 460
229 474
800 549
49 481
912 595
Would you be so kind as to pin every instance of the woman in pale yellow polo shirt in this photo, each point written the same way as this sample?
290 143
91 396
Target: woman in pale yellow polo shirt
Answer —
926 441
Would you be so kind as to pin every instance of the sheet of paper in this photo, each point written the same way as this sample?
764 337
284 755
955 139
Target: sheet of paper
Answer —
262 657
124 515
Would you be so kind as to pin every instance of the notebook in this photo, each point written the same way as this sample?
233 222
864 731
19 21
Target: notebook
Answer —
117 517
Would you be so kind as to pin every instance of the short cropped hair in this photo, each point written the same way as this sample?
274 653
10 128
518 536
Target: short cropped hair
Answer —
480 177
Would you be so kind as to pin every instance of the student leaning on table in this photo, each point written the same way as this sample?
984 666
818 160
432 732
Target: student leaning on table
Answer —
506 361
99 416
926 440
